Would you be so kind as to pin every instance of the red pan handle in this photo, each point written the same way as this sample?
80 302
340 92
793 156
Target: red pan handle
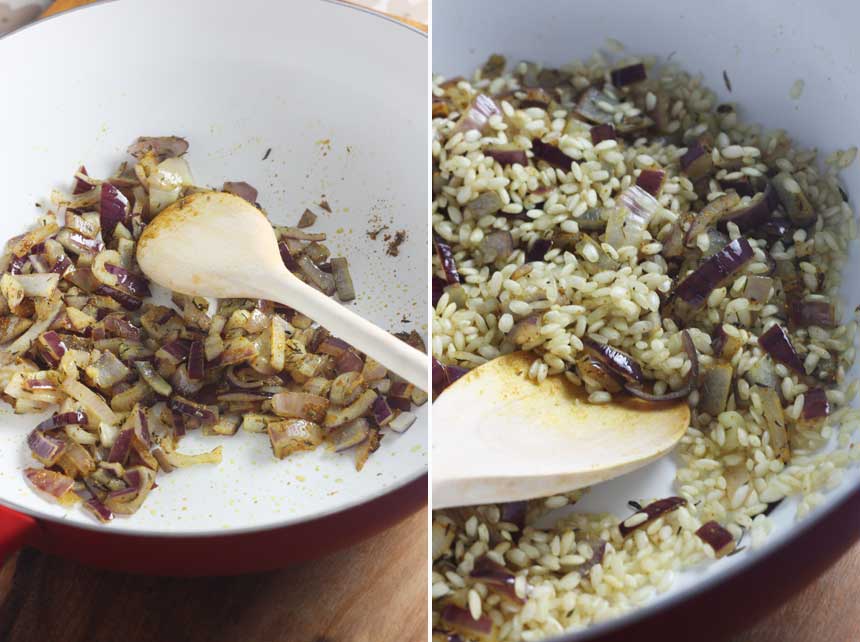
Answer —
15 529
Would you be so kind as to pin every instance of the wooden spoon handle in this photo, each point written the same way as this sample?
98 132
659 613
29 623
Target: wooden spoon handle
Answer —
394 354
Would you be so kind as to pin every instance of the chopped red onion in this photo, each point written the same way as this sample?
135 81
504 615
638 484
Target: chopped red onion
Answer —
628 75
696 162
162 146
99 510
241 189
287 257
81 183
121 447
51 347
497 578
816 407
135 284
342 279
446 259
462 621
650 180
45 448
113 209
551 154
806 313
776 343
196 364
754 215
538 250
348 361
127 301
478 114
191 409
717 537
650 512
695 288
63 419
602 132
619 363
382 412
50 482
508 154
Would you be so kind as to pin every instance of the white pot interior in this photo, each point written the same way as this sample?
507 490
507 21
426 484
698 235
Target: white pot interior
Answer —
764 48
337 93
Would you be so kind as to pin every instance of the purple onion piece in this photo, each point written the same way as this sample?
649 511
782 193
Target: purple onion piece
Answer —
651 180
756 214
803 314
135 284
178 349
348 361
551 154
51 347
816 407
618 362
538 250
628 75
382 412
162 146
82 185
598 550
118 327
17 264
113 209
497 578
99 510
652 511
514 513
333 346
461 620
141 428
63 419
242 190
694 289
446 259
61 265
400 395
196 362
191 409
696 162
717 537
128 301
507 155
438 289
602 132
45 448
121 447
287 257
777 344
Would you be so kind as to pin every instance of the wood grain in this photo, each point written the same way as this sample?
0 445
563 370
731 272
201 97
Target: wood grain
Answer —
826 611
373 592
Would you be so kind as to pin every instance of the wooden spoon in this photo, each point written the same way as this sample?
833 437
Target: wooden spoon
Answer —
499 436
215 244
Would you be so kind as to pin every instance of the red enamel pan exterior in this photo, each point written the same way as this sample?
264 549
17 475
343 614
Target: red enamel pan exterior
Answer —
247 552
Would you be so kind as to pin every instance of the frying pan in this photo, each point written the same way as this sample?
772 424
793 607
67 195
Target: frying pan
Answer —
764 48
338 95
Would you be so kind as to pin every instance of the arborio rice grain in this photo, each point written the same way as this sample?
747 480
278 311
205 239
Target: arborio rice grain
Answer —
526 245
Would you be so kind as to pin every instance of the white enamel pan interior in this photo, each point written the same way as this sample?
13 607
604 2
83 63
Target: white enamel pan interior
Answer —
339 94
764 47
